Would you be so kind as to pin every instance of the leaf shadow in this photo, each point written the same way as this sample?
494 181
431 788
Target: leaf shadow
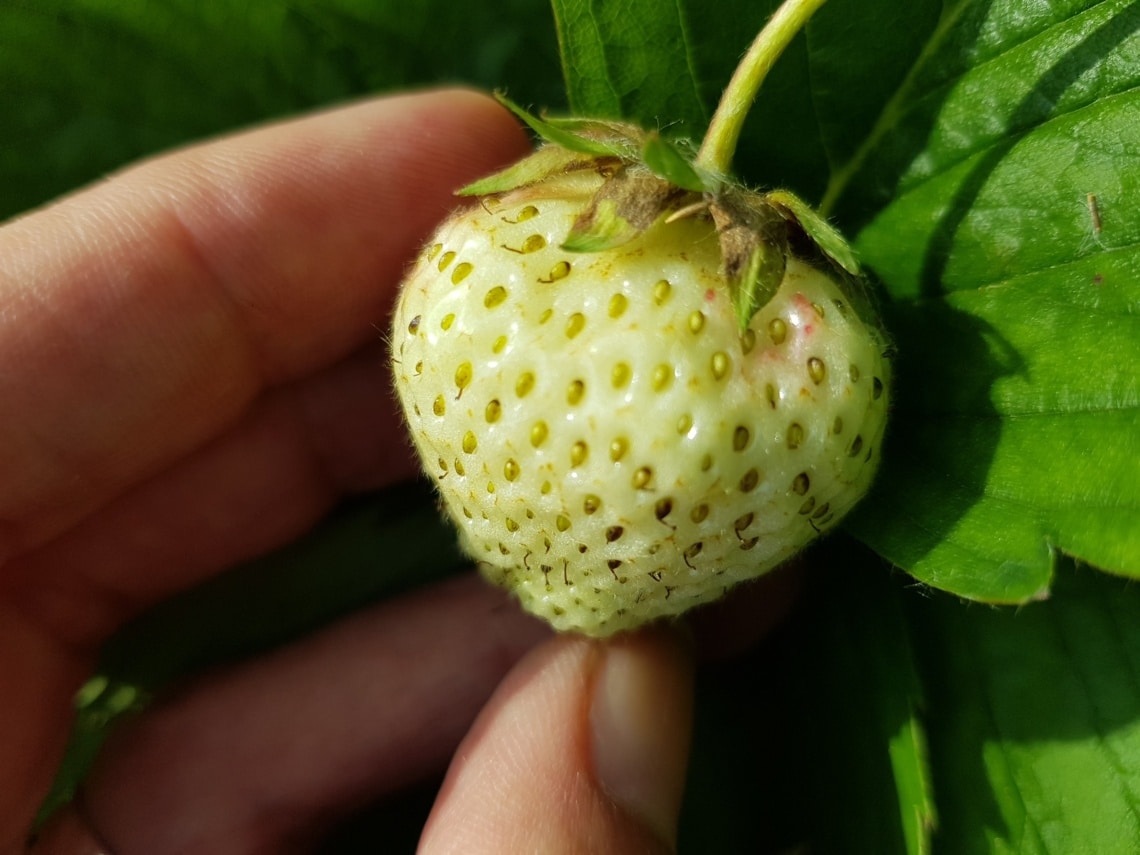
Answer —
1031 715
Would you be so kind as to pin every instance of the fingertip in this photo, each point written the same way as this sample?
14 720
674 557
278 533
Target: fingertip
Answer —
641 715
583 748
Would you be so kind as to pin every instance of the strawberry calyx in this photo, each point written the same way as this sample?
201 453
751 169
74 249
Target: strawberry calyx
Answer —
649 179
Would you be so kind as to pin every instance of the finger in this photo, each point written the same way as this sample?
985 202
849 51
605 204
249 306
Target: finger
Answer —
263 757
582 749
147 312
263 483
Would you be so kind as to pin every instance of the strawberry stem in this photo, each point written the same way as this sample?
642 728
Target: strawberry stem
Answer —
720 141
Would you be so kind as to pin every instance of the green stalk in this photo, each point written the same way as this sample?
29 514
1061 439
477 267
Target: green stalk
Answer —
720 141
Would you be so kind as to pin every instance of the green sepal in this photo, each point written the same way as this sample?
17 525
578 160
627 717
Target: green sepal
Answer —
547 161
758 282
825 235
665 160
557 133
604 229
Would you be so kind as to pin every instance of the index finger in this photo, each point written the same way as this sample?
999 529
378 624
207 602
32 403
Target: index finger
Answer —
139 318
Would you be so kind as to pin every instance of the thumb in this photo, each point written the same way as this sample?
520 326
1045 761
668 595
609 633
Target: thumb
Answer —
583 748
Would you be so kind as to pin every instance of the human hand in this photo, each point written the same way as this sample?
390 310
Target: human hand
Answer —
191 376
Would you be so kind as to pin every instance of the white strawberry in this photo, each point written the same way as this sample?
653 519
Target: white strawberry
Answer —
633 383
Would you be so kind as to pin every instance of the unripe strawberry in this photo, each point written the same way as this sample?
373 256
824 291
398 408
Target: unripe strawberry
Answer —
633 395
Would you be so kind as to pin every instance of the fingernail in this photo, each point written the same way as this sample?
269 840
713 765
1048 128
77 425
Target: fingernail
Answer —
641 718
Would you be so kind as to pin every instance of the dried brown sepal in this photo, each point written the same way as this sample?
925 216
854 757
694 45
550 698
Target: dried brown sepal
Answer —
626 205
754 249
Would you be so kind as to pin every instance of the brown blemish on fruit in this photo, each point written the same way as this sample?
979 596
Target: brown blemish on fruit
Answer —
816 370
777 330
538 434
795 436
618 305
574 392
493 411
495 297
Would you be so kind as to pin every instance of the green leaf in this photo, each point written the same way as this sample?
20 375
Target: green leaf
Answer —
1017 430
88 85
618 58
1034 719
